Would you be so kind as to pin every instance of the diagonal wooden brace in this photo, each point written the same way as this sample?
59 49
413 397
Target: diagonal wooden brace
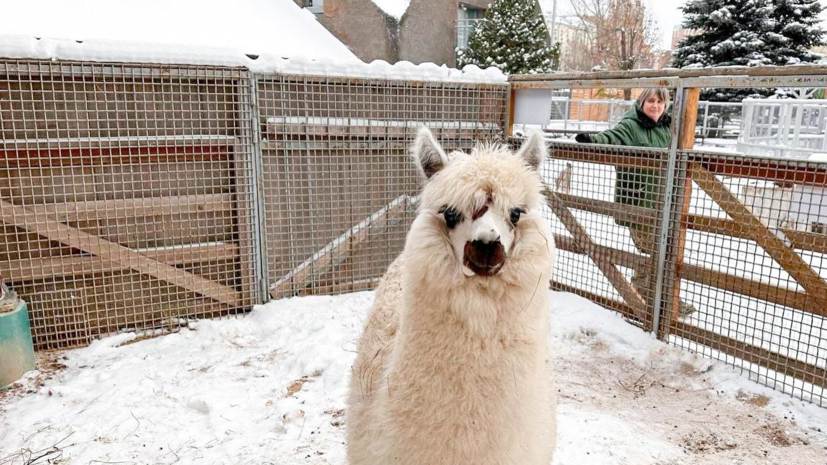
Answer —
43 224
775 246
584 241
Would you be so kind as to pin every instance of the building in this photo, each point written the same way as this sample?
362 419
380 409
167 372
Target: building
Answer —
569 35
679 33
425 31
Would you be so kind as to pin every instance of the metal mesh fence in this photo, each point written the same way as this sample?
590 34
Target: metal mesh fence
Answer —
339 184
125 196
604 208
135 197
749 257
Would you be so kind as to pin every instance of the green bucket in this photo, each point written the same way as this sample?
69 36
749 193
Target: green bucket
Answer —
16 349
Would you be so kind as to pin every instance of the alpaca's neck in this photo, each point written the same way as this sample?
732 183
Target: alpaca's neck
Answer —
473 311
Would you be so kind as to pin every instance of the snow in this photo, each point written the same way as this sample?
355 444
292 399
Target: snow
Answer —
393 8
270 388
262 35
277 28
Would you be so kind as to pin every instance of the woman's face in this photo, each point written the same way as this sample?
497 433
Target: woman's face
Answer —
653 107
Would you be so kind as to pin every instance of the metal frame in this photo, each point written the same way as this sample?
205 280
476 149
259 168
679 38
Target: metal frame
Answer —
321 165
779 251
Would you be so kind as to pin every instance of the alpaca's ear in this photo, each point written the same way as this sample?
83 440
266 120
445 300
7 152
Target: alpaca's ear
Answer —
533 150
428 155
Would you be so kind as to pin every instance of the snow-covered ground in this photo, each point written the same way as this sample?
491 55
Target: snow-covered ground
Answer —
270 388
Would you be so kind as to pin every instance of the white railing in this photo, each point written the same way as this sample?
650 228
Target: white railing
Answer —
784 128
569 116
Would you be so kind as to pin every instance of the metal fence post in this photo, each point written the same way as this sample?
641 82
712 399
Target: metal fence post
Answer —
257 187
666 213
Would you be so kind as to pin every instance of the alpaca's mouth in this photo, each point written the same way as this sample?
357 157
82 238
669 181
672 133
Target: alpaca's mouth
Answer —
483 259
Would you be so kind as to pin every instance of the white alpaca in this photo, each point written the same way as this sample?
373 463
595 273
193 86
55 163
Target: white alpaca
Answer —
454 364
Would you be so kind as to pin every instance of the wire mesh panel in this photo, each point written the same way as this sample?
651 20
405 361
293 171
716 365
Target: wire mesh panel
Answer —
125 196
340 187
604 208
753 267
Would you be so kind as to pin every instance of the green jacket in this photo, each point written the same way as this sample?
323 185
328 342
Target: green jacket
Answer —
635 129
637 187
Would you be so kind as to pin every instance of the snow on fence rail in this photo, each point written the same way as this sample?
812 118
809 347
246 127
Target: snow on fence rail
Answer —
137 196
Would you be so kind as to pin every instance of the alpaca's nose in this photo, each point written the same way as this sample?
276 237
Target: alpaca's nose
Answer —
485 230
488 237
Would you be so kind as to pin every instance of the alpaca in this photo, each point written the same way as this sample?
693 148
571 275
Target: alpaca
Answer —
453 366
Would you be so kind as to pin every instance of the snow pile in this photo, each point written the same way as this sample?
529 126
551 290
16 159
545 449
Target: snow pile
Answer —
271 388
167 29
262 35
393 8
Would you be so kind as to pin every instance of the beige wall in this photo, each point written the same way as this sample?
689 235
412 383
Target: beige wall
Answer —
429 30
362 26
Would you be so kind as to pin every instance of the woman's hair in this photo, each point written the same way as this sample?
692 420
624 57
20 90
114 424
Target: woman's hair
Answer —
661 92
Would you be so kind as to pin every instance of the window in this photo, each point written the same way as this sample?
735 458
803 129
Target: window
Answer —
314 6
467 19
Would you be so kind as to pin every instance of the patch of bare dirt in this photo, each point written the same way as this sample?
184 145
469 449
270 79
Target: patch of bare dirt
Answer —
757 400
47 366
296 386
678 408
701 442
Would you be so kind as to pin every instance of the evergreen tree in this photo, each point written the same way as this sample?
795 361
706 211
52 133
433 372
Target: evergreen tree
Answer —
512 37
748 33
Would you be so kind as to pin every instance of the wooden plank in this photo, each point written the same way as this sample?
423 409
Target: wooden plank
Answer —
109 251
120 143
783 172
686 140
797 70
25 157
716 279
618 211
689 119
773 361
129 208
335 251
511 103
75 266
799 239
615 277
774 245
641 159
763 291
618 257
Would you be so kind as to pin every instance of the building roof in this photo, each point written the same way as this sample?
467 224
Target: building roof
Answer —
166 31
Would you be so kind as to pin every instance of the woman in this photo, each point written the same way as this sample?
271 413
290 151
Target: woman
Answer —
646 124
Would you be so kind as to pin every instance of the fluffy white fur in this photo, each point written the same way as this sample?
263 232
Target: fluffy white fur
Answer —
451 368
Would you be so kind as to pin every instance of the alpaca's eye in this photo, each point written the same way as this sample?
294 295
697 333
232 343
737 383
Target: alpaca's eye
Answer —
452 216
515 215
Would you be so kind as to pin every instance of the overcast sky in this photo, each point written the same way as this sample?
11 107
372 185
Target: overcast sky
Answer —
666 14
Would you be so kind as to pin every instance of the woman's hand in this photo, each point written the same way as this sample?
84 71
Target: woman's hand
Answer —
583 138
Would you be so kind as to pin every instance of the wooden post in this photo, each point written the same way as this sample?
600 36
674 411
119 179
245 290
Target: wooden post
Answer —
510 121
686 140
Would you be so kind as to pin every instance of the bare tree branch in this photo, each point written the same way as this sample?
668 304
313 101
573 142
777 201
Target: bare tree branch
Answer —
615 34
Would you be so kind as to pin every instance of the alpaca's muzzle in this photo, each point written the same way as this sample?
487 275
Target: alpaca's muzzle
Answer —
484 258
